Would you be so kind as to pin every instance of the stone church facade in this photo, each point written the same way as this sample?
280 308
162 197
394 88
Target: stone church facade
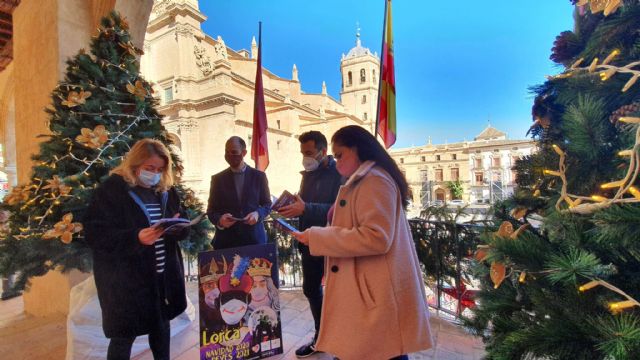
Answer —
206 92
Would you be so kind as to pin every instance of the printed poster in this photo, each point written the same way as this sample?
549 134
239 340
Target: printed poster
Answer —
239 303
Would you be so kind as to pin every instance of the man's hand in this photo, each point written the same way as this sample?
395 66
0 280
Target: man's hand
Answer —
293 210
226 221
148 236
252 218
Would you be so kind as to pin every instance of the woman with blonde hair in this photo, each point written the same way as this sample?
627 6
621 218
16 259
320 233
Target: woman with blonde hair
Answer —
137 268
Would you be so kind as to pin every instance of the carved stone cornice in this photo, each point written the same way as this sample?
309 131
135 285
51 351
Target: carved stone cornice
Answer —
211 101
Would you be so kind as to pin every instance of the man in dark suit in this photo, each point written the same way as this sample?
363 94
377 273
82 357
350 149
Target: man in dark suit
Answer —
239 200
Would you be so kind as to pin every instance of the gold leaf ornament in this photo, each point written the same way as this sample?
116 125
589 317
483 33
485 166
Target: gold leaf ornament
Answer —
505 230
598 5
138 90
131 49
75 98
18 194
57 184
93 139
497 272
64 229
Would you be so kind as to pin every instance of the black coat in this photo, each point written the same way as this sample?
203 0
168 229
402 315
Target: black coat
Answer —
318 190
133 297
224 199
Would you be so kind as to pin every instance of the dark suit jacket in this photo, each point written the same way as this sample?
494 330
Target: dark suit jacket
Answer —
223 199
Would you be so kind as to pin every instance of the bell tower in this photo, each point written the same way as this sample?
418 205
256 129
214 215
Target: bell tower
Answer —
360 77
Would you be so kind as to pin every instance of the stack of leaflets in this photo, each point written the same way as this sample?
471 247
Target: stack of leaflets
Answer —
285 199
172 225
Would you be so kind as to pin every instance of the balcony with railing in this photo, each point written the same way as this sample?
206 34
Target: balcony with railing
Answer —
444 250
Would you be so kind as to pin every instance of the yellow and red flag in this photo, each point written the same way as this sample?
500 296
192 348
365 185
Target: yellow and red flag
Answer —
386 114
259 148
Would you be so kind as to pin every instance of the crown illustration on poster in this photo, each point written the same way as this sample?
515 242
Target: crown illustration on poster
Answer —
260 266
215 271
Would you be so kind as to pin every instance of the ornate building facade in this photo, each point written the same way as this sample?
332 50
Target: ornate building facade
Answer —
206 92
482 166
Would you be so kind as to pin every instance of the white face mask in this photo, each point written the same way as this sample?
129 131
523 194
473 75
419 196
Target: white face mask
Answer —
310 163
232 311
149 178
211 296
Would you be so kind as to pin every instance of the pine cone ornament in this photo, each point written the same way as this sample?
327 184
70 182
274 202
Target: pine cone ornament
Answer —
565 48
625 110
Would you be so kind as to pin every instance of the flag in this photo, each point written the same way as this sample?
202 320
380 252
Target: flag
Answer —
386 114
259 149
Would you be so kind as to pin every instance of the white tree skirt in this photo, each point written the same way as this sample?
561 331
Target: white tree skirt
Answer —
85 338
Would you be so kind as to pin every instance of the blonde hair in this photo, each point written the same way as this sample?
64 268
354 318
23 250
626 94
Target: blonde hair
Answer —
139 153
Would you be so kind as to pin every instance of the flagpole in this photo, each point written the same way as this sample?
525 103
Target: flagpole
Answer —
380 74
259 64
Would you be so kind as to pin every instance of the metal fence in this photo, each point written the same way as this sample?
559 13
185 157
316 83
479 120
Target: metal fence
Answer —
445 250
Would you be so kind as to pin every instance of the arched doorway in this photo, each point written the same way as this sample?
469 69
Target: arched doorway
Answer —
441 195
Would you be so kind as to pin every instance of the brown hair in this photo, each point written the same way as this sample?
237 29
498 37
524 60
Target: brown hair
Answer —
139 153
368 148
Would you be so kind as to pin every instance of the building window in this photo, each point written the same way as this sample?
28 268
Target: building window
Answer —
454 157
423 158
495 162
514 176
373 75
478 163
424 175
437 157
401 160
349 79
364 99
364 116
455 174
479 178
168 94
363 76
438 174
278 122
278 144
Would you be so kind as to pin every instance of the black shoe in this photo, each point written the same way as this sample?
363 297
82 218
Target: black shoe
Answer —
307 350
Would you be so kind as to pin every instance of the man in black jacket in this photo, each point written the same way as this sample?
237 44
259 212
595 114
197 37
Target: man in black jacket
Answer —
239 200
318 191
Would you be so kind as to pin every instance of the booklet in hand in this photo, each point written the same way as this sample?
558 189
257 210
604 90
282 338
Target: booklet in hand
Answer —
177 224
282 224
285 199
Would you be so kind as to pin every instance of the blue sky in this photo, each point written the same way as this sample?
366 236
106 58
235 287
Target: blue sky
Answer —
458 63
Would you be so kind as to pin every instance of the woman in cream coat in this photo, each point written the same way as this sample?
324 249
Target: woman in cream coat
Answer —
375 305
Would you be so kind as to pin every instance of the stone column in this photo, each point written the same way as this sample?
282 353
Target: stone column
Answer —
46 33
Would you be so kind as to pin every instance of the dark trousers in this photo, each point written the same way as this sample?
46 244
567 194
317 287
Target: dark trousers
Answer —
312 273
159 342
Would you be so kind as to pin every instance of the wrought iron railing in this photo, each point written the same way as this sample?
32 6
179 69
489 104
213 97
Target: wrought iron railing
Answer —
445 251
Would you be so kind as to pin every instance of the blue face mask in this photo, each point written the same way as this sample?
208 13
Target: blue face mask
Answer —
149 178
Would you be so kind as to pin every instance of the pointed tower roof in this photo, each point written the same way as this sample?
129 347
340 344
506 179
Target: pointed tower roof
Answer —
358 50
491 133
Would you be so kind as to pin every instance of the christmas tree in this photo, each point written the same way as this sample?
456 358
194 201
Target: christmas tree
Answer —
100 109
560 277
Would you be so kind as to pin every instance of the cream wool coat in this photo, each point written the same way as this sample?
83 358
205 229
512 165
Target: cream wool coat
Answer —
375 305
